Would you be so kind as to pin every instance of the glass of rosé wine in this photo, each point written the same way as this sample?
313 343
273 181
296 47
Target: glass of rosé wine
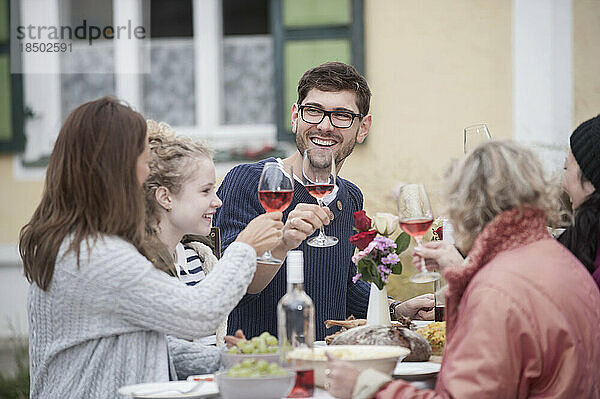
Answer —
415 219
275 193
318 177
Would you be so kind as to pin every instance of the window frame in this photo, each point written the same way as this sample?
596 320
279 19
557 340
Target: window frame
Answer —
354 32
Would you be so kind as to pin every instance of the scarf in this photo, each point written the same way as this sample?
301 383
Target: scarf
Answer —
509 230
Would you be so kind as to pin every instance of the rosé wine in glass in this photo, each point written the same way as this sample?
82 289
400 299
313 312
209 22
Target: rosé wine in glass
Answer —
275 193
273 200
318 177
415 219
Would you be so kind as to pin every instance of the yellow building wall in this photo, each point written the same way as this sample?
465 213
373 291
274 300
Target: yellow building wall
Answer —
19 200
586 59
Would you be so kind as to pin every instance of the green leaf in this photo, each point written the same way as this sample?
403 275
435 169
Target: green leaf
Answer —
397 268
373 268
364 268
402 242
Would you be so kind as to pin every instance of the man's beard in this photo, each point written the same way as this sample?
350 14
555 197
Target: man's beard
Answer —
302 143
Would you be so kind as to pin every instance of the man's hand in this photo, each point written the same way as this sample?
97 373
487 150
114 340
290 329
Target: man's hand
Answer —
302 222
417 308
232 340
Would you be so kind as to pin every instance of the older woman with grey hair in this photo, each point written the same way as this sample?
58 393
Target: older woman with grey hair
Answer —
522 312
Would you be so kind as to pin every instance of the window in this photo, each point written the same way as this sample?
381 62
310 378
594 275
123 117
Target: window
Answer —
308 33
97 61
11 90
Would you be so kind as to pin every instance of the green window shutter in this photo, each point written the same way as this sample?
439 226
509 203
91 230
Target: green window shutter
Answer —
308 13
307 33
12 138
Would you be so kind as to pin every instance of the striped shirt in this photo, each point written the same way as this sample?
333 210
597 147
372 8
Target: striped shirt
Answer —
188 265
189 270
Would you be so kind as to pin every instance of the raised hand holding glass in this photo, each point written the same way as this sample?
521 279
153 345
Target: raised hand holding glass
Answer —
275 193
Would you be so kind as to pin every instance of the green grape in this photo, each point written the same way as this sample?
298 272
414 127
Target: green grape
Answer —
244 373
241 342
271 341
275 370
253 368
262 348
262 365
265 335
237 366
248 349
233 350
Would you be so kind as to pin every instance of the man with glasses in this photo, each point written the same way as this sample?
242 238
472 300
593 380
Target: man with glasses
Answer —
332 111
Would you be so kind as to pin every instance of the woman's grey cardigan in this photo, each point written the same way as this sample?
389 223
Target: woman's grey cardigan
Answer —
102 325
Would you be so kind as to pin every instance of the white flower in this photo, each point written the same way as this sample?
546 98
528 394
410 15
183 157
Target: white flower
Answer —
385 223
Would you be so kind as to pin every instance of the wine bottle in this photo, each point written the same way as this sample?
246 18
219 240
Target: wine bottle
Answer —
296 323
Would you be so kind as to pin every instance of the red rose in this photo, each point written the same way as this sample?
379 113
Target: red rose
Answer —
362 221
362 239
440 232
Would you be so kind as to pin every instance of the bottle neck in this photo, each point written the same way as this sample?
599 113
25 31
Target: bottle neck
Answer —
295 287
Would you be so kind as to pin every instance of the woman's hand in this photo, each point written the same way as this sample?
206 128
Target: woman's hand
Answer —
437 255
341 377
263 232
302 222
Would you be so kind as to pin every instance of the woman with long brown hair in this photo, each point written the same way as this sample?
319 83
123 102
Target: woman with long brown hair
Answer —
98 309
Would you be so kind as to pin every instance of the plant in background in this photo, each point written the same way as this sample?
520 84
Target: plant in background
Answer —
378 255
15 384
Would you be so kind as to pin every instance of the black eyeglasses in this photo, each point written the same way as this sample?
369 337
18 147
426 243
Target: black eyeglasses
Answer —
339 119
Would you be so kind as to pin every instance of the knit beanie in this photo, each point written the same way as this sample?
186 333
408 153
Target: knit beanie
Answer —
585 146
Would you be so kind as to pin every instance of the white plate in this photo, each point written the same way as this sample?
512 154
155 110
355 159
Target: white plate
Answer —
416 370
168 390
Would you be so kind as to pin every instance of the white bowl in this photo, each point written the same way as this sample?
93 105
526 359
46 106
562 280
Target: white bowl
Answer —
255 387
378 357
229 359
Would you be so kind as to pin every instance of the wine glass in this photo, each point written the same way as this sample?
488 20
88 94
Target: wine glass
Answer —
475 135
415 219
318 176
275 193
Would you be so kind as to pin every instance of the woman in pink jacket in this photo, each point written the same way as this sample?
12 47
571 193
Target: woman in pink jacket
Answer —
522 312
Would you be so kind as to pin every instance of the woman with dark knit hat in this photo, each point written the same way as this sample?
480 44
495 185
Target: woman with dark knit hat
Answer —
582 183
